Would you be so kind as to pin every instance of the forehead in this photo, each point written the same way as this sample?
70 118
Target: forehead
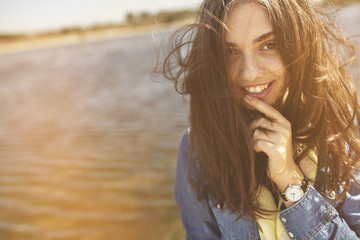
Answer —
246 22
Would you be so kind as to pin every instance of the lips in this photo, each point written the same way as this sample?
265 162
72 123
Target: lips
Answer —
259 91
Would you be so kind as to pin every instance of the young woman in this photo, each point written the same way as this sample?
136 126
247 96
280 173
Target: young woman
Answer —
273 150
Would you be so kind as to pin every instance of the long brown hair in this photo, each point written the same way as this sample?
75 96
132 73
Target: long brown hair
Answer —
321 104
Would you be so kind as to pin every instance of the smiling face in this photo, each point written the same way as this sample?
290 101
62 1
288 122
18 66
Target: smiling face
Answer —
254 62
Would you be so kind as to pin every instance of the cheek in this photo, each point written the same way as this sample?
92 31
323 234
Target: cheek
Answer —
233 67
283 78
277 69
276 66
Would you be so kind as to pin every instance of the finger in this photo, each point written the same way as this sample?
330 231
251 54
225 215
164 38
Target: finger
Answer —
261 135
263 123
263 107
263 146
283 128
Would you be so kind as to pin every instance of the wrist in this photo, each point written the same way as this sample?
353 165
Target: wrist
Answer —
293 177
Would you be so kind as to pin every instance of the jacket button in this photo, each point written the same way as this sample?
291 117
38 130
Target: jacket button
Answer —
218 206
291 234
283 220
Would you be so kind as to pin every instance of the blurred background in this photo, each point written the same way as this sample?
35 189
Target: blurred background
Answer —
88 139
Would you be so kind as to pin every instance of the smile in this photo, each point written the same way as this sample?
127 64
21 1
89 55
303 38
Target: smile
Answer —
260 91
258 88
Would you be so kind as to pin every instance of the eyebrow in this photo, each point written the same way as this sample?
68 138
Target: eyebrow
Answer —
263 37
256 40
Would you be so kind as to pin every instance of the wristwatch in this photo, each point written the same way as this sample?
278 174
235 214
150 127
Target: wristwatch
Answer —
294 193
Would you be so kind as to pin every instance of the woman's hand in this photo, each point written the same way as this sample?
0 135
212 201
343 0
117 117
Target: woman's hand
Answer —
272 135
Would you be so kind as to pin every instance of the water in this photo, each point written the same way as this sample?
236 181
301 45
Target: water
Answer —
88 141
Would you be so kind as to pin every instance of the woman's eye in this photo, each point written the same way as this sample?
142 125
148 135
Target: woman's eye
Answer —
232 51
269 46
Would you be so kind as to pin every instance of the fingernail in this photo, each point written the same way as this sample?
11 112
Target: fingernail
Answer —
248 98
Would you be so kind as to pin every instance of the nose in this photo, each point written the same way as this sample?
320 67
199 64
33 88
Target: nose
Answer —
251 68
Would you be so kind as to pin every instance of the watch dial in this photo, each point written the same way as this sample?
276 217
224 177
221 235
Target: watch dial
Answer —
294 193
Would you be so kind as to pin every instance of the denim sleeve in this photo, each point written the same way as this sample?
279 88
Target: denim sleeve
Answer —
197 217
350 208
313 217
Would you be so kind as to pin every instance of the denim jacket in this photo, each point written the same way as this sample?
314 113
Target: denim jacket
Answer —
313 217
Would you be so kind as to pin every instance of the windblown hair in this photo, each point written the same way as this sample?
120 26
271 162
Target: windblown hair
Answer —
321 104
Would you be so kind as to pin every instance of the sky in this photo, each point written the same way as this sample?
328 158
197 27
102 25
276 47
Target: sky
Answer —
30 16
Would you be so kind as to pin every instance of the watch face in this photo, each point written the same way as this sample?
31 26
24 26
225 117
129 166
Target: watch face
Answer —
294 193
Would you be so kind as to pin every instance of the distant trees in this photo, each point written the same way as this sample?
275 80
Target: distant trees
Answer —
145 18
11 37
171 16
130 18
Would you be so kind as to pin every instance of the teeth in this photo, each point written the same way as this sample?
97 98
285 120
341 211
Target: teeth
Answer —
257 89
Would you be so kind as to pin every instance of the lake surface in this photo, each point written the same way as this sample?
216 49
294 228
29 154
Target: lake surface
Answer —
88 141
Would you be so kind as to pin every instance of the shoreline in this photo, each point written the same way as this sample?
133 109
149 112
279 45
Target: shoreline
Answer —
40 42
